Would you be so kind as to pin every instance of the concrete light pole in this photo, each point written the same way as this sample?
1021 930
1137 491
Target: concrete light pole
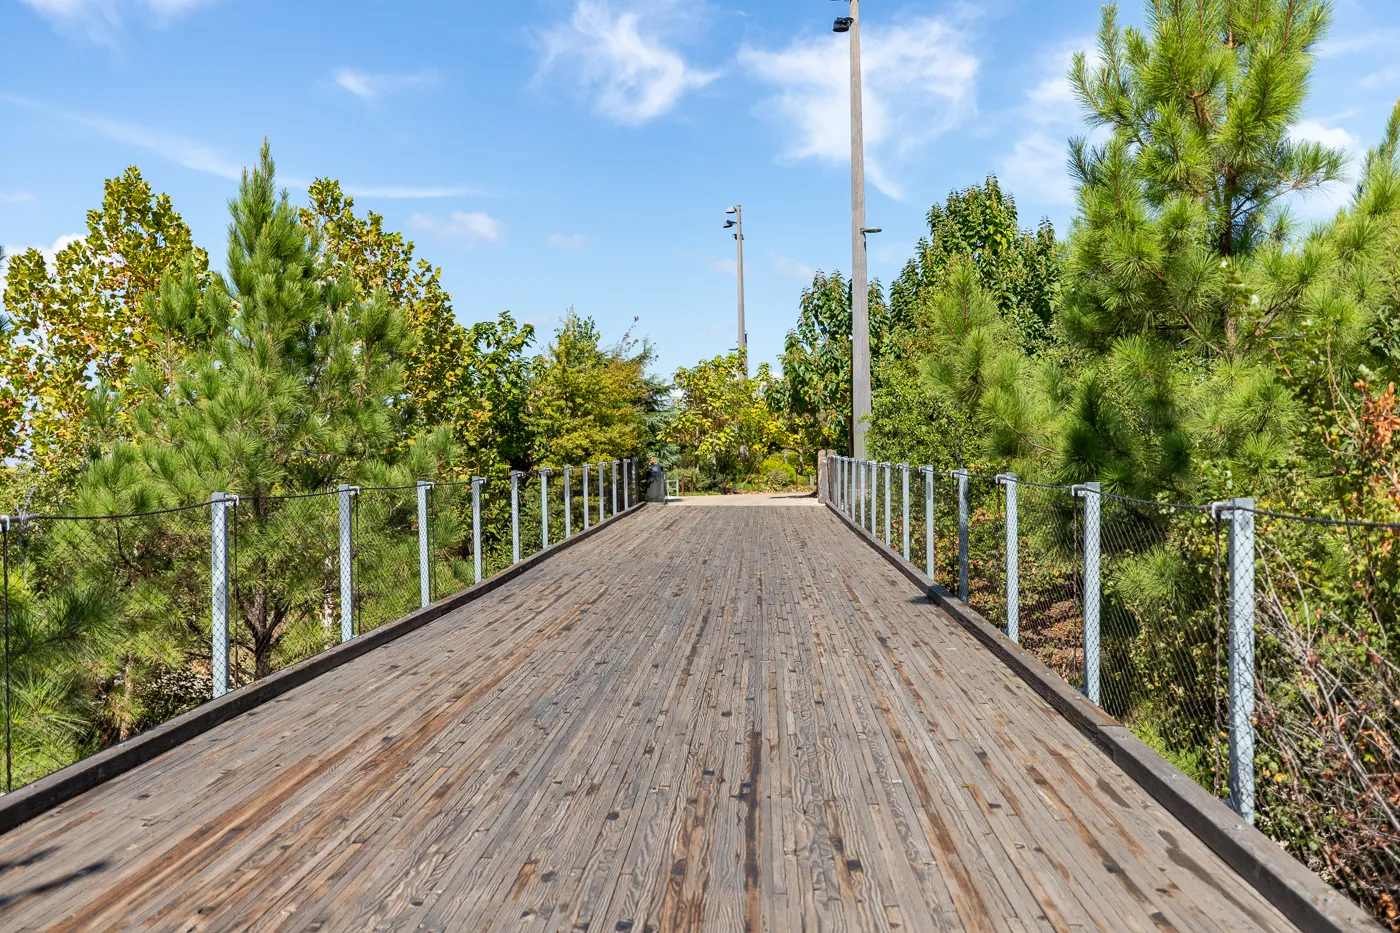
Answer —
860 296
738 224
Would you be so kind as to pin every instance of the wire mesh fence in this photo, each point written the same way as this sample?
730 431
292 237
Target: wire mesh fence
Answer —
1163 651
388 573
1256 651
1051 620
284 572
1327 739
106 631
116 623
986 549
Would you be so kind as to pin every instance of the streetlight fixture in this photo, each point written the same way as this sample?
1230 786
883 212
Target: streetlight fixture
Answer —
860 296
737 225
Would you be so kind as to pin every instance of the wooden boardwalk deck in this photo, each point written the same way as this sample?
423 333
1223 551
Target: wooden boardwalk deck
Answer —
702 718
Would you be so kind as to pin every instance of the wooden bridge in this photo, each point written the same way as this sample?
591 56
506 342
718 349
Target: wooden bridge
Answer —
698 717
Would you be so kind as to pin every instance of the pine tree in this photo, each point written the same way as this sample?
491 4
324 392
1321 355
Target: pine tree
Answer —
1182 223
301 388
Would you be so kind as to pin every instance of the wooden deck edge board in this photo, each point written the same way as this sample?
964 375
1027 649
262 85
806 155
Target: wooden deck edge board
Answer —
34 800
1310 903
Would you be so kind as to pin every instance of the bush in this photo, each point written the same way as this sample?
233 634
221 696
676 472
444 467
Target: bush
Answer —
775 473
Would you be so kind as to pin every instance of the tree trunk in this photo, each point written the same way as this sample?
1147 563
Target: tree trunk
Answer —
262 635
125 725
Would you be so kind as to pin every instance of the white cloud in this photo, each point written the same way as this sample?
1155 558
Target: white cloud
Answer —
729 267
474 227
371 87
409 192
17 196
1036 167
1314 132
181 150
1348 45
920 81
49 252
1385 78
1053 100
101 21
576 241
619 57
792 269
1323 203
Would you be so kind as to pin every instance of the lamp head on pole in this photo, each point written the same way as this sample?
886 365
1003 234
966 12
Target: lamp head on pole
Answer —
728 224
842 24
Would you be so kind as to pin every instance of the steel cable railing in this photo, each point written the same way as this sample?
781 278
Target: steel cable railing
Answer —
1255 650
115 623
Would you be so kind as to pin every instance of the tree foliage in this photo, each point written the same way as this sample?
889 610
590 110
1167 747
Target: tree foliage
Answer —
85 320
722 422
812 396
587 399
979 226
978 296
374 259
1199 345
139 382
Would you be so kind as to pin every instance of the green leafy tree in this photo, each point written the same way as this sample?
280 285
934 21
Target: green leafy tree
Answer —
1020 268
586 400
812 396
296 393
87 320
435 366
978 285
722 423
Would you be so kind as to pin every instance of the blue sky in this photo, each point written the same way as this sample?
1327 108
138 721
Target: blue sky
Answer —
549 153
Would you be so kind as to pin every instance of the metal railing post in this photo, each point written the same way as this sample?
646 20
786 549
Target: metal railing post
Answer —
425 555
904 493
1093 509
614 487
514 517
929 562
858 506
220 503
853 494
961 474
347 560
626 483
1013 558
586 522
873 468
568 504
889 470
476 524
1242 657
846 497
602 506
544 507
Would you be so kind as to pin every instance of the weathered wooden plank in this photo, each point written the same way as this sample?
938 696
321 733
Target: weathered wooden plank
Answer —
706 718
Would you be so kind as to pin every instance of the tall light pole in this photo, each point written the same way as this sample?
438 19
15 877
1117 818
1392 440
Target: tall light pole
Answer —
738 224
860 296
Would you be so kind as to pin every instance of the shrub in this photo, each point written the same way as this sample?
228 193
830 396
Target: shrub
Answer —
776 473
